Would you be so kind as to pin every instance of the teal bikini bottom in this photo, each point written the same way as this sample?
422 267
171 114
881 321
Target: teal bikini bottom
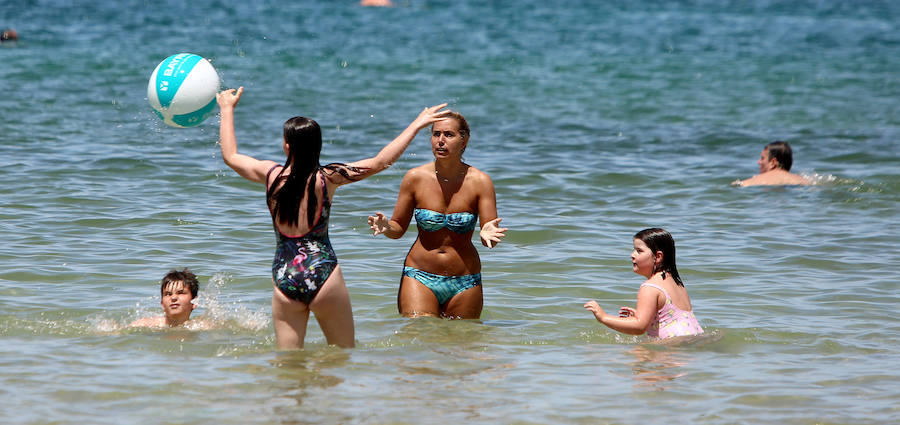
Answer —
443 287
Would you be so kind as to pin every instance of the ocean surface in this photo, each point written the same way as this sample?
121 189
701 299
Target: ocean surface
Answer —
594 119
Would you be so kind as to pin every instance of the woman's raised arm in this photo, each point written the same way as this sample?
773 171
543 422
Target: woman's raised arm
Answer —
392 151
246 166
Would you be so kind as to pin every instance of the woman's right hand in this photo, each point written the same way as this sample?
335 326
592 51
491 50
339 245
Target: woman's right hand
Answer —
379 223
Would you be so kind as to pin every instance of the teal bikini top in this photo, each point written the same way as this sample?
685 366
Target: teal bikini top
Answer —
432 221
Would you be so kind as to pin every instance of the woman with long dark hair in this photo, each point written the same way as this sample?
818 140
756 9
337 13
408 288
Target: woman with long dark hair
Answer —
305 272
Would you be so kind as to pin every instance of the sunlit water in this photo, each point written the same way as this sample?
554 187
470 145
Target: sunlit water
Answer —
594 121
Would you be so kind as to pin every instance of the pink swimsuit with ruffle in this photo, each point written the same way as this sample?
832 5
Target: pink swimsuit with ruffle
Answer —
672 321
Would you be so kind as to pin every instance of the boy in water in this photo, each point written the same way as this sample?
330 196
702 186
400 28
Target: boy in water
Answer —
774 167
177 291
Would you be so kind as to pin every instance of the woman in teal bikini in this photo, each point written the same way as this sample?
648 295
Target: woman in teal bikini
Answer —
442 272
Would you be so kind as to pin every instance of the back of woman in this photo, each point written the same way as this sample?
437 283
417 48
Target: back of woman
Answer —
301 225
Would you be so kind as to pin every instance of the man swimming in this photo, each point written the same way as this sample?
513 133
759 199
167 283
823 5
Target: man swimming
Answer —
774 167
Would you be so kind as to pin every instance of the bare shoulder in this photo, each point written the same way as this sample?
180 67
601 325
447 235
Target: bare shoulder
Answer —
752 181
775 179
796 179
420 172
478 176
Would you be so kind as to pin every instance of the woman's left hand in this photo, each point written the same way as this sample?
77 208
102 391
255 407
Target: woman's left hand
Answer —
491 234
379 223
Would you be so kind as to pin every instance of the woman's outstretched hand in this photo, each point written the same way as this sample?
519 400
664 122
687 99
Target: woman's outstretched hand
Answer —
430 115
491 234
378 223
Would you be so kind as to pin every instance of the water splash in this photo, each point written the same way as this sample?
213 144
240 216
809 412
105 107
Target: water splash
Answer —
216 312
225 313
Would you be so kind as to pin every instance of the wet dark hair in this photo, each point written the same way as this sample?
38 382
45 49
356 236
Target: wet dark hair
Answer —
185 277
660 240
304 139
781 151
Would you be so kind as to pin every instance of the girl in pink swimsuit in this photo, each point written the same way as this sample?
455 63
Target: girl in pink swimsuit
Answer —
663 305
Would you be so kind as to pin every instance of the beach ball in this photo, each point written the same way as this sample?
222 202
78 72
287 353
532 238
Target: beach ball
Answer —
182 90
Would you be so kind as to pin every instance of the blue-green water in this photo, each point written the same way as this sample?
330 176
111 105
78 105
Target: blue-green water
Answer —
594 120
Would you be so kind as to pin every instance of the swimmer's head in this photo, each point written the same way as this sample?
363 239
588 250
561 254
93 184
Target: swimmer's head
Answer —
185 277
9 34
376 3
781 152
659 240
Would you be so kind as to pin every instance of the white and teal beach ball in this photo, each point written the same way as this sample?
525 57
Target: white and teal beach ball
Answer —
182 90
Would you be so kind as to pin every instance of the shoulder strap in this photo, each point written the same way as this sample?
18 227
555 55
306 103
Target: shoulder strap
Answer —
657 287
324 202
324 186
269 173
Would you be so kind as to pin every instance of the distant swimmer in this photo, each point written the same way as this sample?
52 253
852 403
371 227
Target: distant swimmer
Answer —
774 168
8 34
377 3
177 291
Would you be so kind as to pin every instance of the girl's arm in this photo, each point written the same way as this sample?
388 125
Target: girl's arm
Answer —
403 210
248 167
633 321
391 152
487 211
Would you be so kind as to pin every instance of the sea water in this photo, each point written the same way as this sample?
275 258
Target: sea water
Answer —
594 120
